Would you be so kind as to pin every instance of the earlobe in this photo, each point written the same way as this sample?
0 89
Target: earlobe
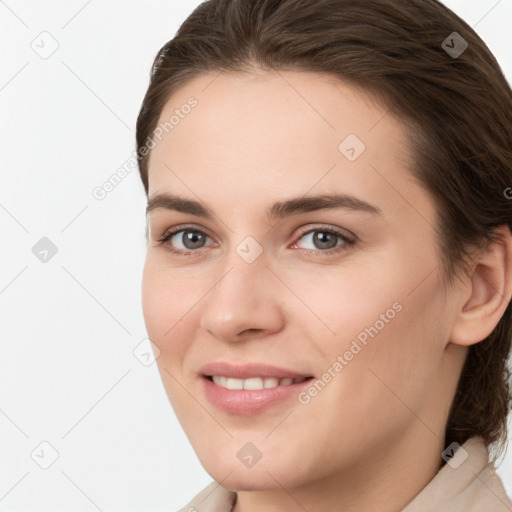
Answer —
490 292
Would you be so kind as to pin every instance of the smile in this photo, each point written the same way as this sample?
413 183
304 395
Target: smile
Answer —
254 383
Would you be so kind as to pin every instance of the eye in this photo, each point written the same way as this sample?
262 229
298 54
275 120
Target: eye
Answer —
184 241
324 240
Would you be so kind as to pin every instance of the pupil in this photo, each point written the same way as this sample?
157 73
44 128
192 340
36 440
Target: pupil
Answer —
324 240
192 239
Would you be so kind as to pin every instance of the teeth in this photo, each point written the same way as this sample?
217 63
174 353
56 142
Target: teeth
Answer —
271 382
234 383
253 383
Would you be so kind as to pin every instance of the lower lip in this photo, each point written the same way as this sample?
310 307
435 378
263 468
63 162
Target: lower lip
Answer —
246 402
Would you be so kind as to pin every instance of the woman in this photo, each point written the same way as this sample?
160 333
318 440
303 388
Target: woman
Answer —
329 265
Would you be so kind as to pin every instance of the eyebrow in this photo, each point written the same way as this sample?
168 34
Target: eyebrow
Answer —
279 209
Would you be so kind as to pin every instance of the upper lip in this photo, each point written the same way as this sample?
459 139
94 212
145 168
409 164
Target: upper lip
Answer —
248 370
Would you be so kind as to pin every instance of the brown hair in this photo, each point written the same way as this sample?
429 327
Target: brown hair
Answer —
458 110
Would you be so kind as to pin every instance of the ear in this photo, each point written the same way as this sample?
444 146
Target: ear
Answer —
487 294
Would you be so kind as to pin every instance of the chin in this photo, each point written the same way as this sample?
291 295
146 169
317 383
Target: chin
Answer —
234 475
247 480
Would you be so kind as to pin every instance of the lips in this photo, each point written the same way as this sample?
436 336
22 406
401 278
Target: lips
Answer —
250 388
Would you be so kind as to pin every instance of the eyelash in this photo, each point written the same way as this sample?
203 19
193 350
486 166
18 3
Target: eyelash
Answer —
347 241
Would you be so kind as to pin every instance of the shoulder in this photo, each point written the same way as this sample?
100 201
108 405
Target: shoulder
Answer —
467 483
213 498
487 492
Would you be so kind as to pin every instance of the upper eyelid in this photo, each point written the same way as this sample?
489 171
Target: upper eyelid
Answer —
327 227
187 227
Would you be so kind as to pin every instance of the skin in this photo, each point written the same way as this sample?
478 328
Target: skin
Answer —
372 438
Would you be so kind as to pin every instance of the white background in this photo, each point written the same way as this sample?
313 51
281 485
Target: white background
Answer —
68 375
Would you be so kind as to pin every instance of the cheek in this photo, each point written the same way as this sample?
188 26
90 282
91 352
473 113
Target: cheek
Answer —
165 297
169 299
160 310
396 369
390 334
154 302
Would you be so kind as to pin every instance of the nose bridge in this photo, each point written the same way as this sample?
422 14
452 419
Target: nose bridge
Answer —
244 265
241 297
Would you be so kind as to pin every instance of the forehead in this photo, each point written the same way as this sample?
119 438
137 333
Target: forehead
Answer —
281 133
257 115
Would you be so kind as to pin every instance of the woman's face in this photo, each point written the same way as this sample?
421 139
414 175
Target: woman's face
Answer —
267 283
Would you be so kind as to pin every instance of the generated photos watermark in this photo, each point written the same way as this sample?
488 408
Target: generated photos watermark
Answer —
357 345
100 192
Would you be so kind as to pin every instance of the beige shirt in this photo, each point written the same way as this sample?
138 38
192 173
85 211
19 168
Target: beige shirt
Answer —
465 484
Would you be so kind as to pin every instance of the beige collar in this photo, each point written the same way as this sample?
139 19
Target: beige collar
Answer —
468 483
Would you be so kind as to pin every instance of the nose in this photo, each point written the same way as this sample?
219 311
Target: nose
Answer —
244 303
